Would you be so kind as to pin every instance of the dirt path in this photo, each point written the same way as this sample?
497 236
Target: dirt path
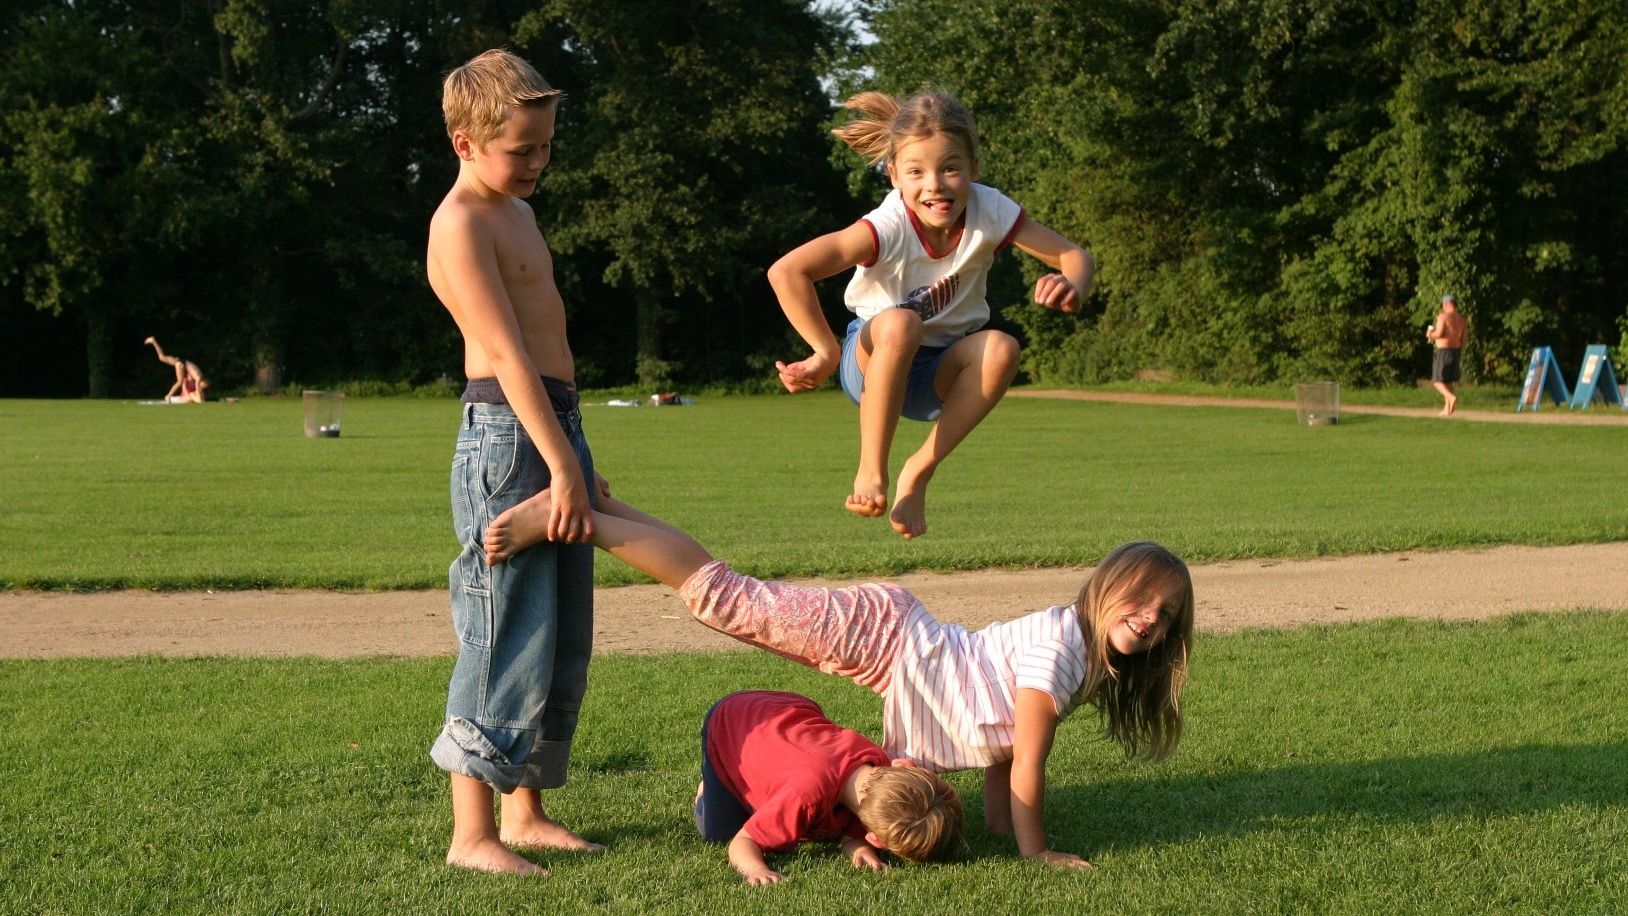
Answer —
1549 414
642 619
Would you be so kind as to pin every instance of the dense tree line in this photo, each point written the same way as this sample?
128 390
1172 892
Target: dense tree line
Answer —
1285 188
1274 188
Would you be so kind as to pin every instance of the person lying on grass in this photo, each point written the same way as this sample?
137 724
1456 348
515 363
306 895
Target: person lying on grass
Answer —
952 699
775 772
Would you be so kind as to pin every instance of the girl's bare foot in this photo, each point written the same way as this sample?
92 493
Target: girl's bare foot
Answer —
909 515
517 528
494 857
869 498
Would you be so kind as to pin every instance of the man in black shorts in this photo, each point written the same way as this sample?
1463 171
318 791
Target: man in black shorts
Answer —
1447 333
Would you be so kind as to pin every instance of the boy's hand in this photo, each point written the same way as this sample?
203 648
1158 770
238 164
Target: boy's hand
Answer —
865 857
569 517
766 875
807 374
1061 859
1053 291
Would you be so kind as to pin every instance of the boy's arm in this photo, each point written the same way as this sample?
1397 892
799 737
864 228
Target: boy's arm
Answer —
862 854
747 857
1064 291
793 278
1032 735
484 312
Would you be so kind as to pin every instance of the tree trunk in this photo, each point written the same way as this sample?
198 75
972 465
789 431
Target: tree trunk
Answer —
98 353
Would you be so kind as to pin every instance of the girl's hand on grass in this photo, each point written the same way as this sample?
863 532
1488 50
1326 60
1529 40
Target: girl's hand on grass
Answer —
1062 859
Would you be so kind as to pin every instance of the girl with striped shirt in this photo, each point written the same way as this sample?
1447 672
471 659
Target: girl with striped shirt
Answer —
953 699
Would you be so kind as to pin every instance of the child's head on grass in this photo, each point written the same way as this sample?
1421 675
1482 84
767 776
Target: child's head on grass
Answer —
479 97
1136 611
915 814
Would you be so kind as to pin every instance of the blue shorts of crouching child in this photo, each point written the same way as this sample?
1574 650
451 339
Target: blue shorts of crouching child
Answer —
524 626
719 815
921 402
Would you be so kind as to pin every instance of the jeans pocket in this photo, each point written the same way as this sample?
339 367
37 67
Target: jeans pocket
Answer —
463 507
500 450
472 602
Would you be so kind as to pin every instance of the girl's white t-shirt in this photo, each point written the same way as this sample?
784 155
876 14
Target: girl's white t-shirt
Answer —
952 700
945 288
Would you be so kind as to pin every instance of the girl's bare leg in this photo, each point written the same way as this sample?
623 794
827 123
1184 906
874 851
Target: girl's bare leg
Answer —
972 378
640 540
887 344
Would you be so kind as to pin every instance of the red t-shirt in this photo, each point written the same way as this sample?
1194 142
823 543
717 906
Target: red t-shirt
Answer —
786 762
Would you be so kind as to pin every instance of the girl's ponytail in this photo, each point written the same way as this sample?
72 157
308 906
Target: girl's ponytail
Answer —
870 134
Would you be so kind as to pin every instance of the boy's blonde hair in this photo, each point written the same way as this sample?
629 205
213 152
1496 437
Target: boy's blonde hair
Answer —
916 814
478 97
885 123
1138 695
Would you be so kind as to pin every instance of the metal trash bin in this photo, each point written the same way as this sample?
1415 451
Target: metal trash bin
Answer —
323 412
1317 403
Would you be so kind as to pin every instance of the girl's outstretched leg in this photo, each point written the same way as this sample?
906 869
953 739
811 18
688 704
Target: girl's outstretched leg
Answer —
853 632
638 539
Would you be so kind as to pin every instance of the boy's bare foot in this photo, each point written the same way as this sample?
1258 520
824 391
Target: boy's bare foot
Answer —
150 340
546 834
869 498
1452 405
517 528
909 515
494 857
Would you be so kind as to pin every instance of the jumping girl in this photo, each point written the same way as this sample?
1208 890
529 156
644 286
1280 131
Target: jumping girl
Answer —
922 257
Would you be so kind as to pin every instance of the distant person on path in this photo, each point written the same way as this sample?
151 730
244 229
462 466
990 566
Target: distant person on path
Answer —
922 258
776 772
1447 333
953 699
525 631
189 379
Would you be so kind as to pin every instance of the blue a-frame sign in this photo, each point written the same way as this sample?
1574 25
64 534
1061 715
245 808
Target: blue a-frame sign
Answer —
1542 377
1595 377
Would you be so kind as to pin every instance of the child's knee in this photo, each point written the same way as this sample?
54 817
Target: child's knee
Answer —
897 329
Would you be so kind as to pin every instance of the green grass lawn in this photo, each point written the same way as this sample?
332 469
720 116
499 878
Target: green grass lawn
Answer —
113 494
1390 767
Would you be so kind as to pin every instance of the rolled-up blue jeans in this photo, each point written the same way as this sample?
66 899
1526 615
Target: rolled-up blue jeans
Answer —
525 626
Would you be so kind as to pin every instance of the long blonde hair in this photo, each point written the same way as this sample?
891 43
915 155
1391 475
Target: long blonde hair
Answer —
885 123
1138 695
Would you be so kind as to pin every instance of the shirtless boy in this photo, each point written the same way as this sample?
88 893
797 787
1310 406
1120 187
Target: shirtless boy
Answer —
524 628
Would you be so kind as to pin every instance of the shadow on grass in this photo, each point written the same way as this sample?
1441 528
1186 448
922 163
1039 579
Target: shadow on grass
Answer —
1508 781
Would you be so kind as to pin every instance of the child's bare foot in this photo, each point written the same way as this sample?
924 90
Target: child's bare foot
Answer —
1452 405
909 515
546 834
492 856
517 528
149 340
869 498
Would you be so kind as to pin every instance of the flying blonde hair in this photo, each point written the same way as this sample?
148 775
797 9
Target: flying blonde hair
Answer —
885 123
915 813
1138 695
478 97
